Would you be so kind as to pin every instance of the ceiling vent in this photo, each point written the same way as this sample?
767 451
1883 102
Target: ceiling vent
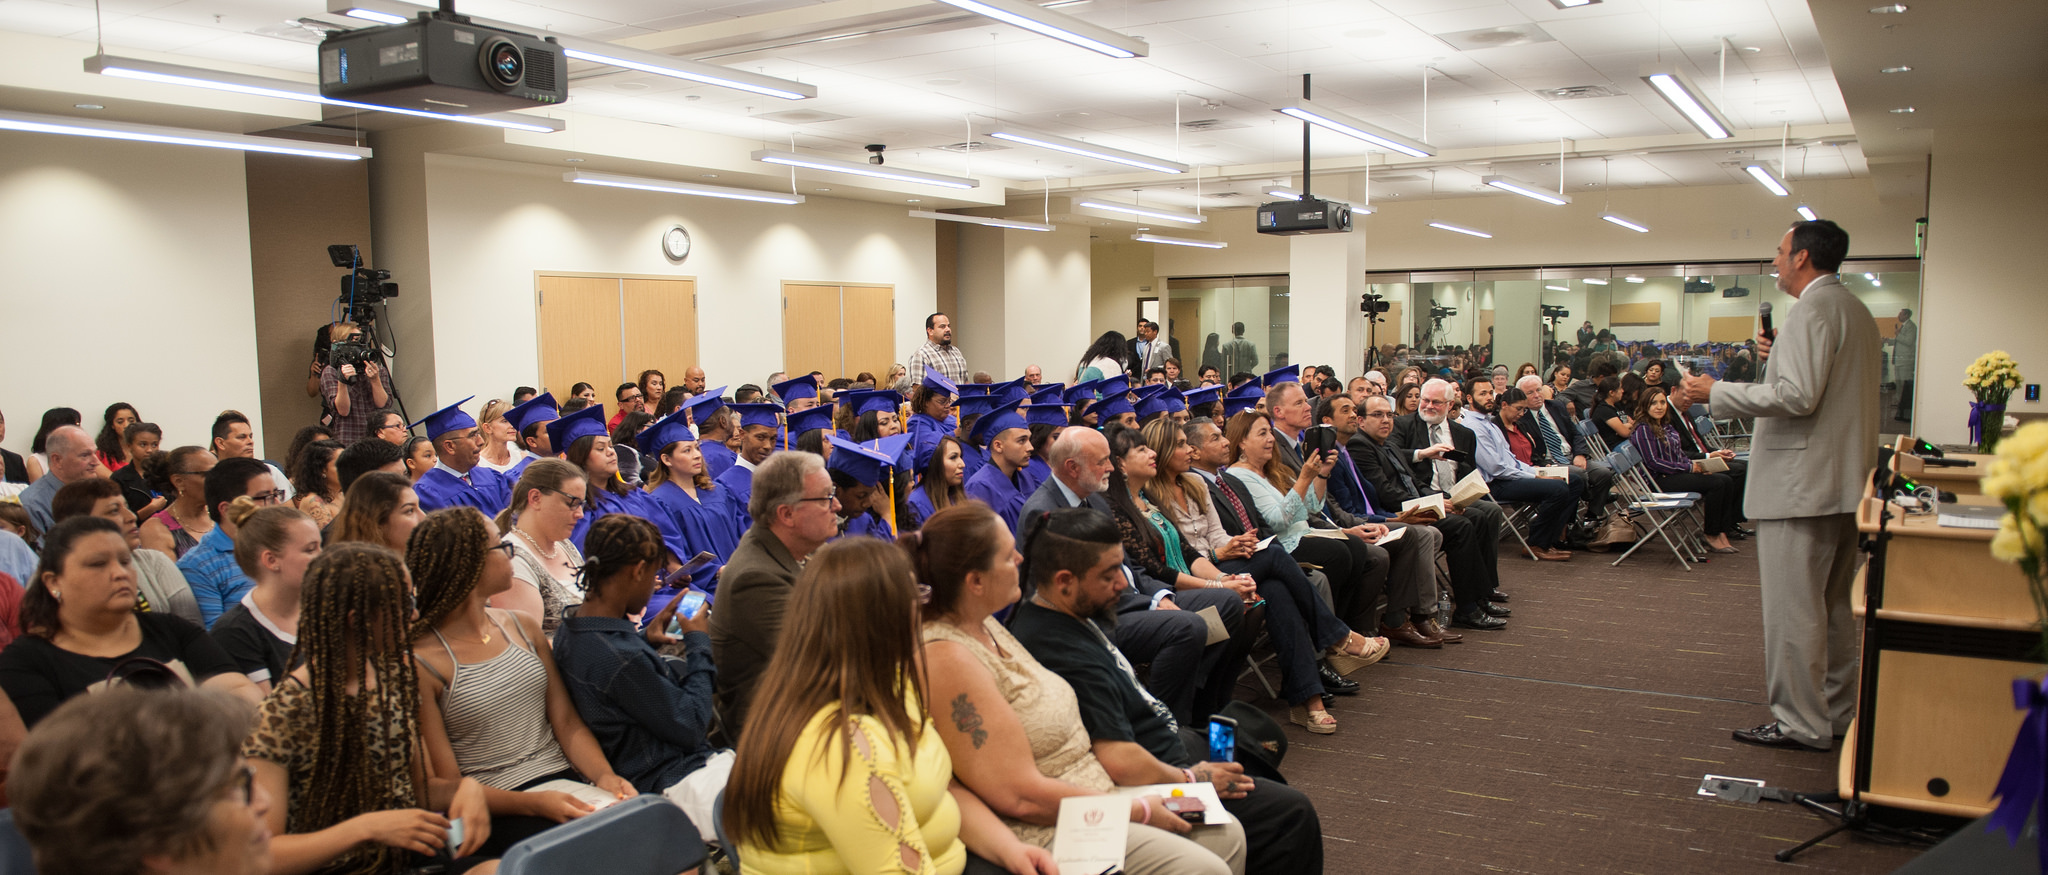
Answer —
972 146
301 30
1496 37
1226 195
1210 124
800 116
1579 92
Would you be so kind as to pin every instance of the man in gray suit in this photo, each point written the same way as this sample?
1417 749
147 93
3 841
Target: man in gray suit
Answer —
1816 412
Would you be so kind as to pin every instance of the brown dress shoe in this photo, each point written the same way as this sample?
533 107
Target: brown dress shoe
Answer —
1407 635
1429 628
1552 554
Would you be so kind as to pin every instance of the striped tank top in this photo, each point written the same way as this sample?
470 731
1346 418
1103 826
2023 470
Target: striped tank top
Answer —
496 713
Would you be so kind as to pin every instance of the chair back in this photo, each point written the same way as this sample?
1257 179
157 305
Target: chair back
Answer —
15 856
644 835
732 852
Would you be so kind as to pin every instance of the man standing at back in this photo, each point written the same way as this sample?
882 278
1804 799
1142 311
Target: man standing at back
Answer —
938 351
1816 415
1240 356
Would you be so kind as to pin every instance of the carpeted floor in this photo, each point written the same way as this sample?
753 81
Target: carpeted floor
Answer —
1574 740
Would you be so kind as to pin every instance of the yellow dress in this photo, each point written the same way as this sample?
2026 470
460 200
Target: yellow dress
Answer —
829 826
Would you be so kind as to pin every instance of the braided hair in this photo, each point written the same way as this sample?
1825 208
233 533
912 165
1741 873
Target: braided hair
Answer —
616 542
446 557
352 638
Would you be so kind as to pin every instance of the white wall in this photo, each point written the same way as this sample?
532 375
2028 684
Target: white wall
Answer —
125 274
1046 284
492 224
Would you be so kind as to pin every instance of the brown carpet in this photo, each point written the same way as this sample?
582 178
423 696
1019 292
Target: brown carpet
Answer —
1574 740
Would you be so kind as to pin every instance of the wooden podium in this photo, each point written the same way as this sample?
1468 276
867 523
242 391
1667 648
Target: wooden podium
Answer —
1947 628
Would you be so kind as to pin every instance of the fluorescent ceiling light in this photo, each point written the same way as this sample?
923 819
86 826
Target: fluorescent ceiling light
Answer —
1633 279
111 130
1012 224
1180 241
375 15
1763 175
1594 281
1690 102
1524 189
1285 193
1316 115
1628 223
284 89
597 51
600 52
1557 288
1807 213
1455 229
1114 207
879 171
1087 150
1870 276
1061 27
613 180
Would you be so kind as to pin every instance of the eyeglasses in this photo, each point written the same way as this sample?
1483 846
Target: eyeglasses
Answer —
274 496
1434 402
504 547
391 426
574 502
829 498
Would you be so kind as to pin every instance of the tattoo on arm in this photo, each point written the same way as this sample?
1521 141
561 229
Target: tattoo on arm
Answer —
968 721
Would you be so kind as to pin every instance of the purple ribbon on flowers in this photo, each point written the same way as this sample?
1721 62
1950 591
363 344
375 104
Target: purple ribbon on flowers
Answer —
1978 411
2025 780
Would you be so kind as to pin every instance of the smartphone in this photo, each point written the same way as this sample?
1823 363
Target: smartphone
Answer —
1458 456
1321 439
1222 740
692 605
454 836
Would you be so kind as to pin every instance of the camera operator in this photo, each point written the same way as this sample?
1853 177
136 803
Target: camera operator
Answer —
353 386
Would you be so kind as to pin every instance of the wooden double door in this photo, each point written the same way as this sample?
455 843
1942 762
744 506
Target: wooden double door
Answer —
839 329
605 330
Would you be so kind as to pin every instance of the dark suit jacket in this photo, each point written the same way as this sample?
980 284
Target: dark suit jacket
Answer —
1411 434
753 594
1047 498
1389 478
1333 515
1228 515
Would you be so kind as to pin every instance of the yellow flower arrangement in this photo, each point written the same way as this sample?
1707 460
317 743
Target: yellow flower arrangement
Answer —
1991 378
2018 478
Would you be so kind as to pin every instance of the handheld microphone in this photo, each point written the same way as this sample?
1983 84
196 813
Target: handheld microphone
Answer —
1763 315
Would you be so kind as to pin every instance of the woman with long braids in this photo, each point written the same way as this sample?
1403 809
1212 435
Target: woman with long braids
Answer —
942 485
680 486
652 715
337 743
492 705
546 504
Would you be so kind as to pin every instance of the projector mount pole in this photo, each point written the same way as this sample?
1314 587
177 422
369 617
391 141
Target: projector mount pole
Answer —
1304 143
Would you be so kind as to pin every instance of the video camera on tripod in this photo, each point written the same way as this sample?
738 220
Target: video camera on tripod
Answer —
1439 312
1372 305
1553 313
363 288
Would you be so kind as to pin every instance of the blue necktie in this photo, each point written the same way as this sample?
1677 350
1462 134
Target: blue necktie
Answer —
1552 441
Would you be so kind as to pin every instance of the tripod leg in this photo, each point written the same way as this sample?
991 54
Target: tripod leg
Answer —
1786 855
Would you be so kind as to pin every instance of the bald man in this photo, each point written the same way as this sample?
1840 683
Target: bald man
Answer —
693 380
71 460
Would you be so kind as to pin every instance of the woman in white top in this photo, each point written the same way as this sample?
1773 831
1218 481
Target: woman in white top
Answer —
546 503
501 439
1104 358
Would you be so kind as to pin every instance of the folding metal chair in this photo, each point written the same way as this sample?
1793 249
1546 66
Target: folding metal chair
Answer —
1667 512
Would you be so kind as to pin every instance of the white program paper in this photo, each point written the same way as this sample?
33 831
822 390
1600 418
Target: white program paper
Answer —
1390 537
594 797
1092 832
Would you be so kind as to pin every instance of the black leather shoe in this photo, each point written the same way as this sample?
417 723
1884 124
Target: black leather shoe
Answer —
1497 596
1745 532
1737 535
1478 619
1769 735
1336 684
1493 610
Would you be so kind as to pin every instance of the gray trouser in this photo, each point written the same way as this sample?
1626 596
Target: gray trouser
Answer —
1807 565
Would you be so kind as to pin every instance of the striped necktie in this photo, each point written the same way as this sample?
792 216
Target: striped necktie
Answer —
1552 441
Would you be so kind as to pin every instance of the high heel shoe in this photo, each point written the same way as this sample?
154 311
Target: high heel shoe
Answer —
1344 660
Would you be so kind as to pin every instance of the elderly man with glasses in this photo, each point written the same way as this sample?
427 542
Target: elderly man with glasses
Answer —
217 581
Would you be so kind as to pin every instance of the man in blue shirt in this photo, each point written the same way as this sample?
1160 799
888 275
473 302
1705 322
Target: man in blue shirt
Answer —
71 460
217 581
1510 479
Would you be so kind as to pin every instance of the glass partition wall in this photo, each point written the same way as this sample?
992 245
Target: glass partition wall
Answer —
1237 324
1702 315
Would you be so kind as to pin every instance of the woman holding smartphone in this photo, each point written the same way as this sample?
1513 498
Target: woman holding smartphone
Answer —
651 714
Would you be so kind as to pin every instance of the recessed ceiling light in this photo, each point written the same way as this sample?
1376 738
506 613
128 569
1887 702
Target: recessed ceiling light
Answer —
1903 110
1898 69
1887 8
824 189
573 160
914 200
710 175
87 106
